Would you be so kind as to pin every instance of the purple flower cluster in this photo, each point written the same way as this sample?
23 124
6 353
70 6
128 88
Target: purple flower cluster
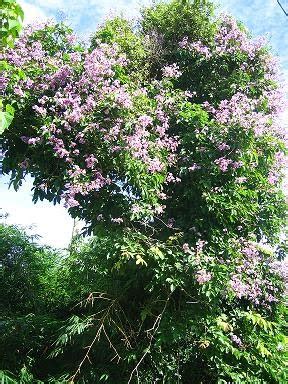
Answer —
240 111
172 71
223 147
223 163
250 279
67 95
236 340
3 84
246 114
197 47
230 39
276 172
202 276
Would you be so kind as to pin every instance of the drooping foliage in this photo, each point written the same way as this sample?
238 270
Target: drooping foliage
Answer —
166 138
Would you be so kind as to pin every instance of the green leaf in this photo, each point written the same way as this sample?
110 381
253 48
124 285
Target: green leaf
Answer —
5 121
13 24
157 252
10 109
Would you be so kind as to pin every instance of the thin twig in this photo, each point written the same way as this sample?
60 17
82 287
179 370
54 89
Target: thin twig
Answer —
96 338
71 380
281 6
146 225
90 299
167 225
112 346
154 329
126 339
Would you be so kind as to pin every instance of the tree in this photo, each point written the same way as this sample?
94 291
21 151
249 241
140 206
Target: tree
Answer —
30 295
165 139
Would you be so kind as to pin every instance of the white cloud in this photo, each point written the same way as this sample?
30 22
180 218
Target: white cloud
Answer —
83 15
52 223
91 6
32 12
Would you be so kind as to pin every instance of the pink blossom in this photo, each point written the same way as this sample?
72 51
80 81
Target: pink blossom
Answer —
135 209
237 164
238 287
40 110
197 47
145 120
223 147
200 245
75 57
155 165
231 39
186 248
71 38
172 71
236 340
90 161
240 180
171 179
223 163
18 91
159 209
3 83
203 276
201 49
33 140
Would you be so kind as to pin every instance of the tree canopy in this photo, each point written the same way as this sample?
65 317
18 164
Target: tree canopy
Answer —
165 137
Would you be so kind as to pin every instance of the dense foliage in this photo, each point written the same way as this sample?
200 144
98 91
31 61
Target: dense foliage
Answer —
11 22
165 138
11 17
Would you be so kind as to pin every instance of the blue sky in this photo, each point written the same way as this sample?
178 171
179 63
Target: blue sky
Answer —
52 223
261 16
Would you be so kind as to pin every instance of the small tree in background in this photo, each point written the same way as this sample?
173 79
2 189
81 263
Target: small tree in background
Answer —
166 140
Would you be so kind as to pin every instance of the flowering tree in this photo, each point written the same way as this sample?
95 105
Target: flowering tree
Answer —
167 141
